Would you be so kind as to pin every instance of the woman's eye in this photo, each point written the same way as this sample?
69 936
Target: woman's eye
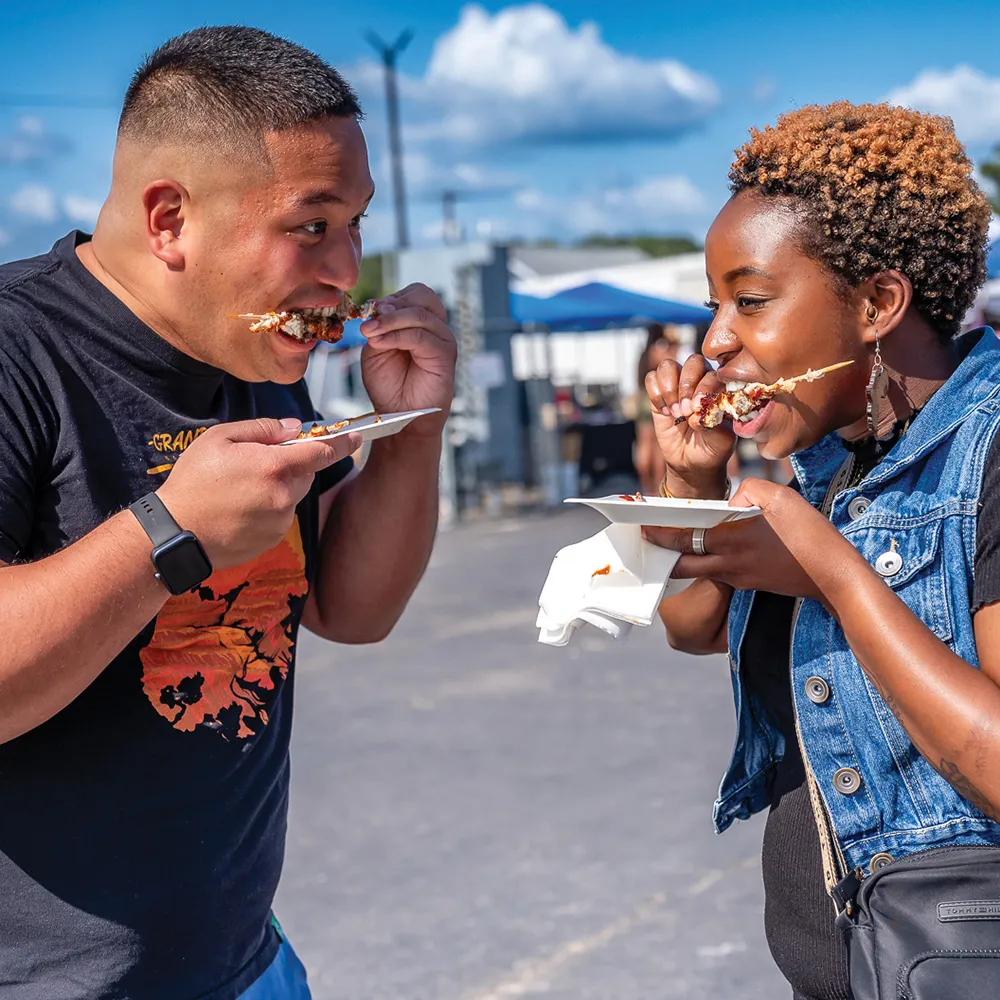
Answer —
744 302
356 221
315 228
712 306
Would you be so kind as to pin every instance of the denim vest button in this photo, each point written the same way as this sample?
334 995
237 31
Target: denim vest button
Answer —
879 862
889 563
846 780
857 507
817 690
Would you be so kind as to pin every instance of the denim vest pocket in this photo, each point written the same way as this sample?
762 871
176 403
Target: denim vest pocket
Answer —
917 576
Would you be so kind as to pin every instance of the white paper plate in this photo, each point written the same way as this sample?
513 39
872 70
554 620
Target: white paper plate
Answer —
668 513
371 428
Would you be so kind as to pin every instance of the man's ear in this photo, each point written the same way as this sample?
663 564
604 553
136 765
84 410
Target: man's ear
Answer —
165 204
885 299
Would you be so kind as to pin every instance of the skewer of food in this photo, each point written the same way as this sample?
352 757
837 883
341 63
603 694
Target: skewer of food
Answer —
740 401
321 430
306 325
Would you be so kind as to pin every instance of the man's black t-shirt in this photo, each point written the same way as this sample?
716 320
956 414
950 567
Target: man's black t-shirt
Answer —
142 828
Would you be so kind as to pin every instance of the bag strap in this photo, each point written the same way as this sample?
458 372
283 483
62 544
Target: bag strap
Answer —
835 870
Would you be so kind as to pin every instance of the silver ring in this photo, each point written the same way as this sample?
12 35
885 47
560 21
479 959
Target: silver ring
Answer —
698 542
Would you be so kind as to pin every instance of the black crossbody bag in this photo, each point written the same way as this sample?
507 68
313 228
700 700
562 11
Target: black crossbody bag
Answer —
925 927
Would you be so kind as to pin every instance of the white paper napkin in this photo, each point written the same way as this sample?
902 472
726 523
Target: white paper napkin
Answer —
612 581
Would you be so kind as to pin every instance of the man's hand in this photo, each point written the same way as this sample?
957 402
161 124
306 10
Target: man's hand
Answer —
778 551
409 360
238 493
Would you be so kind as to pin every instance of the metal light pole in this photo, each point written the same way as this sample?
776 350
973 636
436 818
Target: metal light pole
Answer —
389 54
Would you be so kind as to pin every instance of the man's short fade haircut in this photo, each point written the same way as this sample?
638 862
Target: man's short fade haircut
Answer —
879 188
231 84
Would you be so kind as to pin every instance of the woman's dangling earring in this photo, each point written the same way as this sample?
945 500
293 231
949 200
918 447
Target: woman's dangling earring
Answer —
875 392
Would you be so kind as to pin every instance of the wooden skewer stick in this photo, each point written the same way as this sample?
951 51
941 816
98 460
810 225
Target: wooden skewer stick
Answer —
784 384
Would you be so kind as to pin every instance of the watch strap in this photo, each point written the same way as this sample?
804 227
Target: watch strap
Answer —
155 519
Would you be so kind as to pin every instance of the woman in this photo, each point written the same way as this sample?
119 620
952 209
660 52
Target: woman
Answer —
858 610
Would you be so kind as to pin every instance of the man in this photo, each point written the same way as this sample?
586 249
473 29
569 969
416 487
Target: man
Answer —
145 710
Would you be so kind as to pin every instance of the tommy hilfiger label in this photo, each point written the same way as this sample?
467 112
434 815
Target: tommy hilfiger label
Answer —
969 909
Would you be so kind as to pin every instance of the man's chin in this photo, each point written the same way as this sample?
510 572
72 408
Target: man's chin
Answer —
283 371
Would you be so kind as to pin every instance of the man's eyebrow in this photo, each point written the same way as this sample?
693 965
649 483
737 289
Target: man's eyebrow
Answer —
747 271
324 196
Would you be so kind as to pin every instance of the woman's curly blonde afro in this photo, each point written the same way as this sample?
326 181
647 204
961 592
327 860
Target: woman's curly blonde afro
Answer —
880 188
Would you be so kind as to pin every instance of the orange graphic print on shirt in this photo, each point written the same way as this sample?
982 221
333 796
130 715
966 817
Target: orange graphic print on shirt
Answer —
219 652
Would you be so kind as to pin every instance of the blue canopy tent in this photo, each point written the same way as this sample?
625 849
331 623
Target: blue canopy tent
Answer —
605 446
598 307
352 336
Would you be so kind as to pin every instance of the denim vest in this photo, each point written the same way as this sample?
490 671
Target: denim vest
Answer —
920 502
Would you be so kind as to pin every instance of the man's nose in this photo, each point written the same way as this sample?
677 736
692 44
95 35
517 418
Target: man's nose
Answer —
341 265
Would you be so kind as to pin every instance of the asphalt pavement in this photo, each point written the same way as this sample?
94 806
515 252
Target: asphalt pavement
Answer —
479 817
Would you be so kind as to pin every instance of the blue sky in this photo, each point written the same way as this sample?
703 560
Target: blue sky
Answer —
552 120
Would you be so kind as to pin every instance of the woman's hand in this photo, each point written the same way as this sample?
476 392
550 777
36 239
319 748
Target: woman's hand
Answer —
696 457
780 551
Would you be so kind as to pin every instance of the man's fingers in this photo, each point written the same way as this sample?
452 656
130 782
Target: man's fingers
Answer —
410 318
419 341
262 430
418 295
313 456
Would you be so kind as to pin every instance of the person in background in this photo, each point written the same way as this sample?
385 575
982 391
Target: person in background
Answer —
861 610
159 550
661 345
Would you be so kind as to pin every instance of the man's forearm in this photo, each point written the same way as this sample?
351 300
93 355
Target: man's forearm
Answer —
65 618
378 540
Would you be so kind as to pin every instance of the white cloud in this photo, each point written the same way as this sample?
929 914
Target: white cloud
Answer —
424 175
529 199
966 95
659 196
30 144
76 208
4 237
994 230
654 204
524 74
35 201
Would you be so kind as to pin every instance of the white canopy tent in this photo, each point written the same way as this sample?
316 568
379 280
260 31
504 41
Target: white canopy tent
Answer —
608 356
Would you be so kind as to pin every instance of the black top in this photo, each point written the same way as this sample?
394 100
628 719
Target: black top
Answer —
142 827
798 913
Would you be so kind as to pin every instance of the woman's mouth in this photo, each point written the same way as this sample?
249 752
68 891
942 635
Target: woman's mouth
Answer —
750 413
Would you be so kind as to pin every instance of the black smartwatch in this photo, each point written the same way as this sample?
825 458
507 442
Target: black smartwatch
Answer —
180 561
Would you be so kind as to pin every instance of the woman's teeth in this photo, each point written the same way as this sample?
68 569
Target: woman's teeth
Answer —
734 386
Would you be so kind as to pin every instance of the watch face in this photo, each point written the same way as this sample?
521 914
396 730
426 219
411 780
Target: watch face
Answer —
181 563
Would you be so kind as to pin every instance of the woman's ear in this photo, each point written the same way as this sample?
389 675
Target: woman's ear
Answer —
885 299
164 204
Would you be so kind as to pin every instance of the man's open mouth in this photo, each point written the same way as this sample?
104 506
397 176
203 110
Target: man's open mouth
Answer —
324 323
